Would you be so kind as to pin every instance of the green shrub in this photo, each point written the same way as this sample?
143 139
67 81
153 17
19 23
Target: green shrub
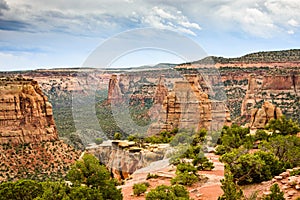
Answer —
231 191
117 136
163 137
150 176
131 137
140 188
276 194
185 167
181 138
185 178
249 168
202 162
89 172
98 141
285 148
220 150
163 192
261 135
283 126
234 137
295 172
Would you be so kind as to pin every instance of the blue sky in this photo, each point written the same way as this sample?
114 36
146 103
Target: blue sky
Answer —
47 34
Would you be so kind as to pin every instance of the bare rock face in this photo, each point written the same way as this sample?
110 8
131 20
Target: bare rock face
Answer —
282 89
123 158
188 107
161 91
260 117
25 113
114 91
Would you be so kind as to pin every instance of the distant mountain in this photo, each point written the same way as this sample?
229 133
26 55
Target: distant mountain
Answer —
292 55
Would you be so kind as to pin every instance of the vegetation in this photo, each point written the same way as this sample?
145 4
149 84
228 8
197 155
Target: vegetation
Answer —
89 180
295 172
163 192
185 178
234 137
29 189
283 126
276 153
285 148
276 194
140 188
150 176
163 137
249 168
98 141
117 136
230 189
89 172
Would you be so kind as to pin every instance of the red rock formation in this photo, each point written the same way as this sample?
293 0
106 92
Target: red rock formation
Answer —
275 88
123 158
115 95
161 91
188 107
250 97
260 117
25 113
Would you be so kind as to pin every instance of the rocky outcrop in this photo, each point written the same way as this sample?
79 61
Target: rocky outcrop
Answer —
161 91
122 158
188 107
115 95
282 90
260 117
288 183
25 113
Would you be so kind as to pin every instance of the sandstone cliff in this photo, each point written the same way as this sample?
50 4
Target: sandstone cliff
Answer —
25 113
281 90
188 107
29 142
260 117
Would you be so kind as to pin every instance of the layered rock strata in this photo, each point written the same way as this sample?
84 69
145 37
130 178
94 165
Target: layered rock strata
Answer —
281 90
25 113
188 107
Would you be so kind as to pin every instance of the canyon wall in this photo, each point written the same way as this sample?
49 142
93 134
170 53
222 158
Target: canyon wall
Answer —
247 81
29 143
187 106
25 113
281 90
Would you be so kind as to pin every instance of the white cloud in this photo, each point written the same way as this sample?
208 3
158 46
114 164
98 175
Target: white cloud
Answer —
99 19
293 22
91 17
172 19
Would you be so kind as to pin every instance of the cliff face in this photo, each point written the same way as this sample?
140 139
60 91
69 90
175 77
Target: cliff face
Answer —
281 90
122 158
29 142
188 107
114 92
25 113
260 117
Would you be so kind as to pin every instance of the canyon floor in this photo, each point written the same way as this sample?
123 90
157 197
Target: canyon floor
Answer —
206 189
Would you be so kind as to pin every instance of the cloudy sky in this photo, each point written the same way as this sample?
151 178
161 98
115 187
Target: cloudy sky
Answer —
46 34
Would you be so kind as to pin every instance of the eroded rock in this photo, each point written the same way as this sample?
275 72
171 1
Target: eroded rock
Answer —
25 113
